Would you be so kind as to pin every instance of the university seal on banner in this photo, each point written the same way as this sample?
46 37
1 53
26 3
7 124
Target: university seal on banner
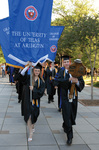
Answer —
53 48
31 13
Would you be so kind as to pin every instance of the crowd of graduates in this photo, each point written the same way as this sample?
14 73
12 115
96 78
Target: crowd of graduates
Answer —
47 79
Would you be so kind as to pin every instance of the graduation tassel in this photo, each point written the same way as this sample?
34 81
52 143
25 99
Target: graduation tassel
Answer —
36 102
33 102
64 73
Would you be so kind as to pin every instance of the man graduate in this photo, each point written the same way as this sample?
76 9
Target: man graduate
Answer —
69 108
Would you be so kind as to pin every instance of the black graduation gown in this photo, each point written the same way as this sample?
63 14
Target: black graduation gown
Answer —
58 90
33 110
36 95
19 84
16 79
69 110
22 82
49 82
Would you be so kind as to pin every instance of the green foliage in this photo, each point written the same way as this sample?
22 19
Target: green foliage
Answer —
88 37
80 38
95 84
2 60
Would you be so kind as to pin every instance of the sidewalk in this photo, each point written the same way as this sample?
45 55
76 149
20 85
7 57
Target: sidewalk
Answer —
48 134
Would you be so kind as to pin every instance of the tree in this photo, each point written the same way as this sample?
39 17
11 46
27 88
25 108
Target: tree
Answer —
70 12
88 37
81 34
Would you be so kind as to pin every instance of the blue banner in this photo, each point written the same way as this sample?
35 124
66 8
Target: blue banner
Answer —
4 42
55 33
29 29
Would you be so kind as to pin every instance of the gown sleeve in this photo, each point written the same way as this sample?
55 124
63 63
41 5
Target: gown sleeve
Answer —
81 84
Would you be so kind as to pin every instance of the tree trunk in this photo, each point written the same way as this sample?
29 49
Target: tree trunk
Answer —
91 83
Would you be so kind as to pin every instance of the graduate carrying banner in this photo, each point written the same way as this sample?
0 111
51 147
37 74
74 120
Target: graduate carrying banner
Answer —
29 41
29 28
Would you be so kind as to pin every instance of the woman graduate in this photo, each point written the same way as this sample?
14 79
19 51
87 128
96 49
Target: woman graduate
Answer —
32 109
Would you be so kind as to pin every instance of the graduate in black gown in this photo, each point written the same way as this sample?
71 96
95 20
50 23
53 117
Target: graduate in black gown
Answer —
50 74
32 109
59 93
69 108
19 84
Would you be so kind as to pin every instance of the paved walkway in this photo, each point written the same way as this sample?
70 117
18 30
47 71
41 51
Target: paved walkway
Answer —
49 134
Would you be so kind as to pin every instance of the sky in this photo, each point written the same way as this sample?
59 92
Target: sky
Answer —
4 11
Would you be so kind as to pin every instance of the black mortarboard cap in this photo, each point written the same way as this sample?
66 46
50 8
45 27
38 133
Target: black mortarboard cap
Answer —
49 62
65 57
55 62
38 66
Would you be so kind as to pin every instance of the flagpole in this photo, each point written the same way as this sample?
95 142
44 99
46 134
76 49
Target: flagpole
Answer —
53 69
30 83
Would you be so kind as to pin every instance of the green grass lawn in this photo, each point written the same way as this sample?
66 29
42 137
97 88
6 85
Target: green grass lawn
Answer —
88 81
